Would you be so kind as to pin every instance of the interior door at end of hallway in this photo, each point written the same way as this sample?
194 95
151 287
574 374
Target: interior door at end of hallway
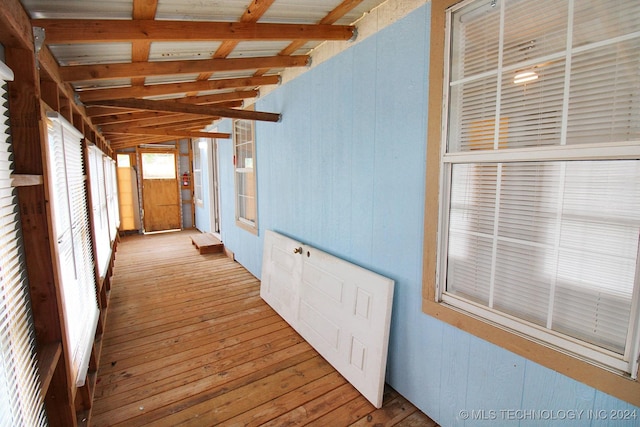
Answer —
160 191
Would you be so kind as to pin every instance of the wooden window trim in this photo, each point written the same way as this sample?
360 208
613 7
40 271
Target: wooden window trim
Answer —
240 221
602 379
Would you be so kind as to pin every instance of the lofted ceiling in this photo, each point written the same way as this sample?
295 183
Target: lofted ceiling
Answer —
151 70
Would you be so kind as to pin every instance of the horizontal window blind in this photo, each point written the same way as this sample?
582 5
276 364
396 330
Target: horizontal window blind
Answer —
99 208
104 200
112 196
21 402
549 248
74 250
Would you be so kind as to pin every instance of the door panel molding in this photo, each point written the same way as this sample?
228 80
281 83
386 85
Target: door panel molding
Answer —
341 309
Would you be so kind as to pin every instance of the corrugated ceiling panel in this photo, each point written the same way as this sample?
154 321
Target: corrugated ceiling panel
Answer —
311 12
252 49
175 51
201 10
177 78
102 84
75 9
299 11
99 53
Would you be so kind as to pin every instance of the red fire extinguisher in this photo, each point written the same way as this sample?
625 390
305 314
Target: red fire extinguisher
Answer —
185 179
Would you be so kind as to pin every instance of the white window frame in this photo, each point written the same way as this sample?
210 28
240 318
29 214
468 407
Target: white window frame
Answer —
74 257
248 224
197 171
626 365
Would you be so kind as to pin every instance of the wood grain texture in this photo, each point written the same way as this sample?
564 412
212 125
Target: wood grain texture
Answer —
161 200
89 31
188 341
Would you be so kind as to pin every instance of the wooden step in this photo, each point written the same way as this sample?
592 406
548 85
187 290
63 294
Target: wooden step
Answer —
207 243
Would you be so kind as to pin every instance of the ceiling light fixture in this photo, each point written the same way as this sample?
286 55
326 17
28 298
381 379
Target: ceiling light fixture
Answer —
525 76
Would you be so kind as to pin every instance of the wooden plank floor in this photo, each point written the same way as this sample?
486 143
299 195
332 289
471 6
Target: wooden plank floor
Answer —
188 341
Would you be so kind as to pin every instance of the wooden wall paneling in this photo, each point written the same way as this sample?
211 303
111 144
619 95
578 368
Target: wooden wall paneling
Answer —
29 138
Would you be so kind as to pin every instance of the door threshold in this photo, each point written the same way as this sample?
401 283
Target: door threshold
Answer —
173 230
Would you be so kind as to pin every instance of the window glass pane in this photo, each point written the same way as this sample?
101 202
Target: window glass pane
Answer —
596 21
604 101
526 38
124 161
158 166
561 250
531 112
472 115
244 148
475 39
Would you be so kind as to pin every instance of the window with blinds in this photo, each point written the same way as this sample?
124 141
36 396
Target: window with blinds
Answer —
20 398
245 174
101 223
197 146
73 237
540 196
104 199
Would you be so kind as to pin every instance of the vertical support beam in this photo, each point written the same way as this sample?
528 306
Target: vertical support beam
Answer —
29 135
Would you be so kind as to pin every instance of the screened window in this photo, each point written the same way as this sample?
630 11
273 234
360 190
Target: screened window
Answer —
540 196
20 399
245 174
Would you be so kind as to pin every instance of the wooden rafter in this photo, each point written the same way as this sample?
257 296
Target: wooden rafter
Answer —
142 9
158 68
176 88
145 118
173 107
237 95
184 122
100 31
173 133
96 112
151 118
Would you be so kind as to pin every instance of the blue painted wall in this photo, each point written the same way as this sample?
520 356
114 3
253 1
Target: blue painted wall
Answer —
344 171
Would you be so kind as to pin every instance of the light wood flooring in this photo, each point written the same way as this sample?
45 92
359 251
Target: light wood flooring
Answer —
188 341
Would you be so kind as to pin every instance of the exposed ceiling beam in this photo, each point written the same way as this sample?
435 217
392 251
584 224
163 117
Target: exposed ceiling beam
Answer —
173 107
146 118
122 142
174 88
237 95
95 112
96 31
15 28
174 133
177 121
142 9
159 68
